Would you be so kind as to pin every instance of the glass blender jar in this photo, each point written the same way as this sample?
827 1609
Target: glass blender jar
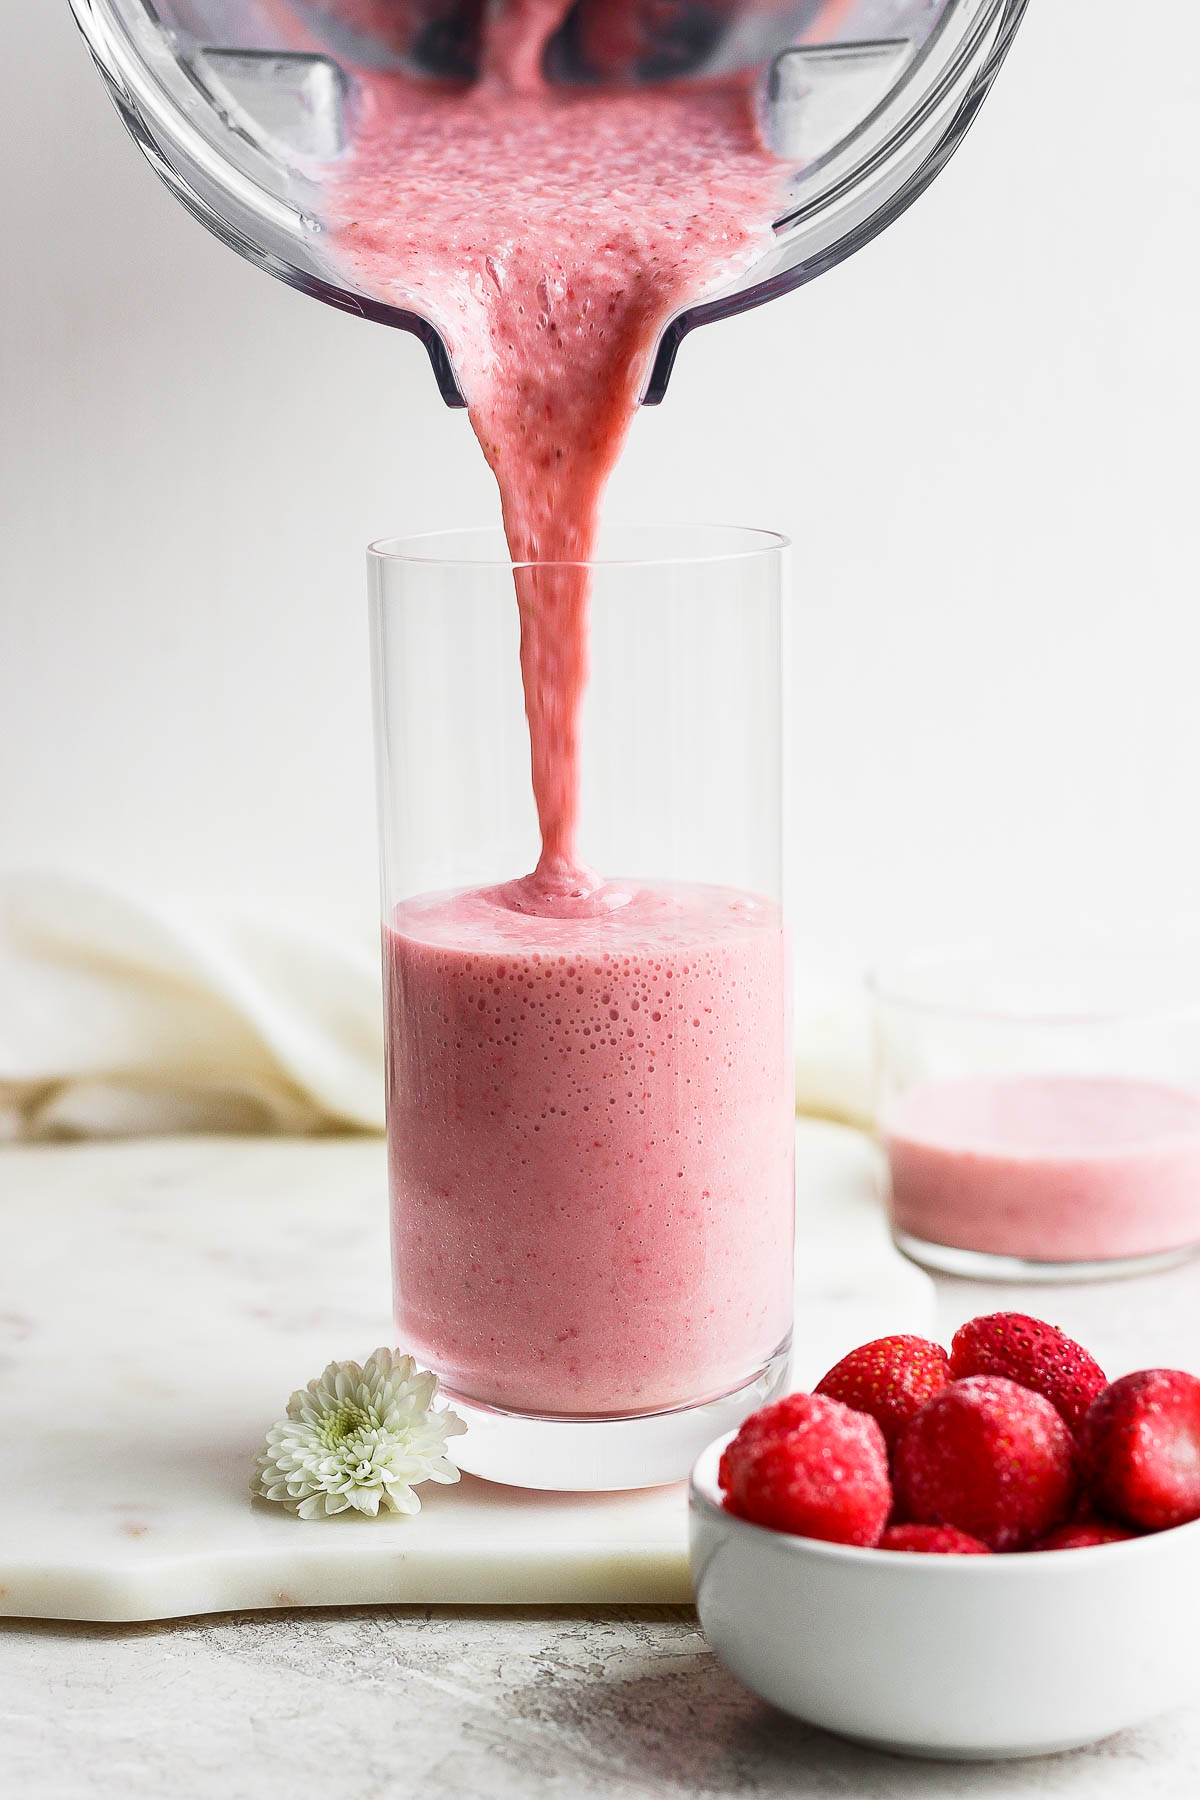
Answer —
867 98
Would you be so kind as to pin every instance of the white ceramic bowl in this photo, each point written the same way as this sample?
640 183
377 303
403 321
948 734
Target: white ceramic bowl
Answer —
949 1656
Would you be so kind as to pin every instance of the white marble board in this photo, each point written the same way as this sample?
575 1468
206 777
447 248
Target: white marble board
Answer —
159 1300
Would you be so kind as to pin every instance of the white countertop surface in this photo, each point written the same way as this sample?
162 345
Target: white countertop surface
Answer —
457 1702
159 1301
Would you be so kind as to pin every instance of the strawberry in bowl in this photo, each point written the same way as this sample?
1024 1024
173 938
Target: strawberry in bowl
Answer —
998 1517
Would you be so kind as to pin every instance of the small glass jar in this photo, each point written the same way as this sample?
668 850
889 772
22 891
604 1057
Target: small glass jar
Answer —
590 1096
1040 1110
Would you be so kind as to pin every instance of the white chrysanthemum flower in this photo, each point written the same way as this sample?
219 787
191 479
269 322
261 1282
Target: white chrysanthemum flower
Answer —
360 1438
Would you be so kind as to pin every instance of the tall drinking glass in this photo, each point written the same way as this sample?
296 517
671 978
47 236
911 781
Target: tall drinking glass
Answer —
589 1103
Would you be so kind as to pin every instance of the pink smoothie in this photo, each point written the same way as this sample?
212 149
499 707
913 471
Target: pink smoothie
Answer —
590 1134
589 1090
1050 1168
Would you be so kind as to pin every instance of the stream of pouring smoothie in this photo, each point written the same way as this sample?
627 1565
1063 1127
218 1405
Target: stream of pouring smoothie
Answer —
550 233
589 1083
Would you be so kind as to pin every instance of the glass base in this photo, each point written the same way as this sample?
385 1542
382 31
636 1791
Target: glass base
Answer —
598 1455
983 1265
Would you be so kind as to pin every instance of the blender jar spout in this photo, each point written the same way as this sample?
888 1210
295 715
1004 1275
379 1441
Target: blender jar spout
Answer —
240 104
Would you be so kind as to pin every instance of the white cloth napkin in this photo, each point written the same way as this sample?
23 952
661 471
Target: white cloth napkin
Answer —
125 1014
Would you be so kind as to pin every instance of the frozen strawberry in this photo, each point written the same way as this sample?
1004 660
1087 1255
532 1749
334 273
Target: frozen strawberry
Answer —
775 1420
1140 1449
826 1476
932 1540
891 1379
990 1457
1074 1536
1030 1352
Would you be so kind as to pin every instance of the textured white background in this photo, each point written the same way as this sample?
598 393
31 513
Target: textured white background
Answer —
981 434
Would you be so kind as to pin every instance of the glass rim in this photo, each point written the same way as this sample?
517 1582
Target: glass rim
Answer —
896 983
419 549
